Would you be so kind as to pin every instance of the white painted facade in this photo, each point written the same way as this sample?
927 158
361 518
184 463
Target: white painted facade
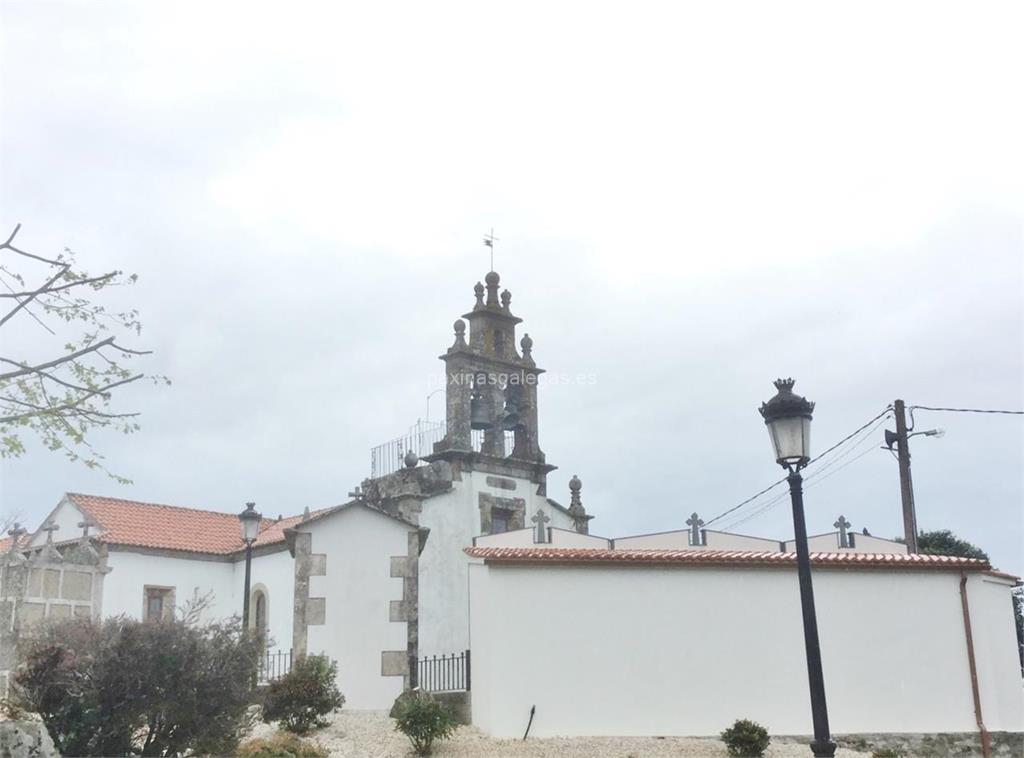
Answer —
358 589
643 650
190 576
453 518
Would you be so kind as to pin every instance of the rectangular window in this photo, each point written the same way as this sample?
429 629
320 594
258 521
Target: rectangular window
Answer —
154 607
499 521
158 603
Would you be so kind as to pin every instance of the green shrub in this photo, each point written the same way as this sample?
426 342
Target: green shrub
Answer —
124 687
281 745
746 739
301 698
888 752
423 719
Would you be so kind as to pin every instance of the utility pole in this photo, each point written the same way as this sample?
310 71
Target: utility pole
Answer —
906 483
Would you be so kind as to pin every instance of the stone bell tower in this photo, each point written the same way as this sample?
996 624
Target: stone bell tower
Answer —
491 388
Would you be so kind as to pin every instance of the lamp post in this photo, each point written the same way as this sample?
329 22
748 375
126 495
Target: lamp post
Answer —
250 521
788 418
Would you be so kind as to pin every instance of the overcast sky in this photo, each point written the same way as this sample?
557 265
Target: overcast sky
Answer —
690 203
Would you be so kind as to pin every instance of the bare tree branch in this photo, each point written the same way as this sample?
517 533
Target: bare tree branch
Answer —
62 399
69 406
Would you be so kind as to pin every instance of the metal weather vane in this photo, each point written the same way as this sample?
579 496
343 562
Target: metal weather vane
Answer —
489 240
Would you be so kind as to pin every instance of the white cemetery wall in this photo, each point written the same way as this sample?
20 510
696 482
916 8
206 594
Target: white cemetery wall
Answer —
727 541
454 520
995 647
573 539
680 540
357 590
632 650
515 538
863 543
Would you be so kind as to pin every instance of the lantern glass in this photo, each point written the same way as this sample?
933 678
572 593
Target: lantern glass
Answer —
791 438
250 521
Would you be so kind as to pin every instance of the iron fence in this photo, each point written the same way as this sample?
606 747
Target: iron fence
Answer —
446 673
273 665
388 457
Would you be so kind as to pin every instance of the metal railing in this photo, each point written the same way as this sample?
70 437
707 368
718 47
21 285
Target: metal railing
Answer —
387 457
273 665
446 673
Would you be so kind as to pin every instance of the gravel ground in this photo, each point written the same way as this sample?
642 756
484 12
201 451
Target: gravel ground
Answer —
372 735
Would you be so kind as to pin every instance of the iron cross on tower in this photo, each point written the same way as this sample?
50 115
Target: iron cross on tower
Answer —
489 240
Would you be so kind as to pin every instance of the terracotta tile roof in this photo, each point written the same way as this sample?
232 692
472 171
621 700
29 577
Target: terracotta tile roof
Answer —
5 543
170 527
553 555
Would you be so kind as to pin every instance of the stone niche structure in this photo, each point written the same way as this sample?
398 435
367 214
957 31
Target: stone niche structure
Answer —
54 582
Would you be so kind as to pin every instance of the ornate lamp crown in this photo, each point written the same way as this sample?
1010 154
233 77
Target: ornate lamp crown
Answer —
786 404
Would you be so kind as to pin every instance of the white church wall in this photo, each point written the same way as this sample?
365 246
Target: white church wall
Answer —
131 572
358 589
701 647
454 520
275 573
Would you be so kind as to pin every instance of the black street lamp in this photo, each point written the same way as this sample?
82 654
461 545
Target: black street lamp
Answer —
250 521
788 418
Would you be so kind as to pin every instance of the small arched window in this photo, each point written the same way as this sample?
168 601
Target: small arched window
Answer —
260 613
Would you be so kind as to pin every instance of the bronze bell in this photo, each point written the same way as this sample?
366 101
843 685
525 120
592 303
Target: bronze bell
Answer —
478 416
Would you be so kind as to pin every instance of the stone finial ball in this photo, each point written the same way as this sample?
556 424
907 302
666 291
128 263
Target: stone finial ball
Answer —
460 326
411 459
526 342
478 288
575 484
492 278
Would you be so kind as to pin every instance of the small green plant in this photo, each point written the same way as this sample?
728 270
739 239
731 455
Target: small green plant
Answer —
301 698
281 745
746 739
423 719
888 752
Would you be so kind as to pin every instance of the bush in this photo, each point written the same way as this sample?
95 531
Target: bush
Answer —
423 719
888 752
302 697
281 745
746 738
124 687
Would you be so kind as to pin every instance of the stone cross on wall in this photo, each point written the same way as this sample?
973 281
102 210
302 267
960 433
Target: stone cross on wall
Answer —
540 519
843 525
85 525
49 527
695 523
16 532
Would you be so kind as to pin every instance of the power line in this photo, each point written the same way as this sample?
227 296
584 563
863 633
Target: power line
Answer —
965 410
817 476
770 487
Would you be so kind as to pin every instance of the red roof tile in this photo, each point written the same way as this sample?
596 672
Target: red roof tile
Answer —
169 527
554 555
